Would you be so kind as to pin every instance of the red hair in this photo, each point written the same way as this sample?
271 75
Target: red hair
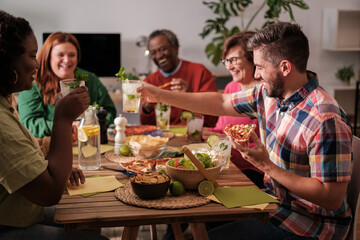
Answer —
47 81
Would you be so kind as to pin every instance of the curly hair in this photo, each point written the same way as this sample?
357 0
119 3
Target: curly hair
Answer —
238 39
170 36
282 41
13 32
45 77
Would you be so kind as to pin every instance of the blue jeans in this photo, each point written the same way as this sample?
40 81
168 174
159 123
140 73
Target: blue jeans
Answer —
46 230
251 229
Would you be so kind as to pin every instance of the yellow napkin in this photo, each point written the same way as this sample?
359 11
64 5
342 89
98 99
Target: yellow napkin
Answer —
256 206
103 149
94 185
232 197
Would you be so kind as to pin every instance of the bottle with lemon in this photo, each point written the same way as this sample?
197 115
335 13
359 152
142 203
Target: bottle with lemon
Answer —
89 141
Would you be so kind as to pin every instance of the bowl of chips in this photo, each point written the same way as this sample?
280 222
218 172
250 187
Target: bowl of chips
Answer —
150 185
146 146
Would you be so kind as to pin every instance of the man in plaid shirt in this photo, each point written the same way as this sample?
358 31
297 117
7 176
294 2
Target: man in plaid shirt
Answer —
305 148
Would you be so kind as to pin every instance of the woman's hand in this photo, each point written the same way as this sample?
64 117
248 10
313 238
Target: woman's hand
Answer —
72 105
76 176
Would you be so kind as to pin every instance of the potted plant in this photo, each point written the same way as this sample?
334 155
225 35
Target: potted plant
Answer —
344 74
225 9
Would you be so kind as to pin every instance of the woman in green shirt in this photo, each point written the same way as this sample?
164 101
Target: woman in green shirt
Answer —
58 60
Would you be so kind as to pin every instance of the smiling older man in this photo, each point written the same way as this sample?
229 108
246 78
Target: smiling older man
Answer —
182 75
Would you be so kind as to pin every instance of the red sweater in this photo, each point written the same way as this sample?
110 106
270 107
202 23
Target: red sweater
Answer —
200 80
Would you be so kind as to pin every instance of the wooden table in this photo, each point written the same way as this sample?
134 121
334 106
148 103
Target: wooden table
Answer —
105 210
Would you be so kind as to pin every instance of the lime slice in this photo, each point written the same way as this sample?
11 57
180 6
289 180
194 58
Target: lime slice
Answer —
82 136
206 188
213 140
186 115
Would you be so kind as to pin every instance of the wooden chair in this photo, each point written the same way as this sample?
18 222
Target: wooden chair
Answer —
354 188
357 107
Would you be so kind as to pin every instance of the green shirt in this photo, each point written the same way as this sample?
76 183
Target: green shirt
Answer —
21 161
38 118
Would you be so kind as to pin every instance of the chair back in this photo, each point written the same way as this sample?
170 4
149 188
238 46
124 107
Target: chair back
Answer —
354 188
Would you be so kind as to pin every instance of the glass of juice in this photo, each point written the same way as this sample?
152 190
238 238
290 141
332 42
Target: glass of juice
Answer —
194 128
162 112
131 99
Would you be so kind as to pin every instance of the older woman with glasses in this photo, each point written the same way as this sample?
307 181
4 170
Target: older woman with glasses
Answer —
239 62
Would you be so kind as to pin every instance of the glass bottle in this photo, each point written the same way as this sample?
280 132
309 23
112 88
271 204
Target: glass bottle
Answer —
89 141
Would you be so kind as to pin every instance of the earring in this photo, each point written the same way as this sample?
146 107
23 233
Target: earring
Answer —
16 77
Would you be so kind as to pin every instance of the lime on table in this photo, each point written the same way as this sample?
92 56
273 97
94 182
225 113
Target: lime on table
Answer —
124 150
186 115
206 188
177 188
82 136
213 140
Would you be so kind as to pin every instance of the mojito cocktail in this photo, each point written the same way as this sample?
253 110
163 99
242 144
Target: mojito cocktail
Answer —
162 112
194 128
131 99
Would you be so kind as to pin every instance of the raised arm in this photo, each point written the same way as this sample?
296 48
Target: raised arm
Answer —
210 103
48 187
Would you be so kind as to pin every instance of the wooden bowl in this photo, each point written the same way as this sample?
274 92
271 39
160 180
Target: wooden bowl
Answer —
149 190
189 177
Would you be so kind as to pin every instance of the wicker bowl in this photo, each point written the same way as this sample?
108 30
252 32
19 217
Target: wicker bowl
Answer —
189 177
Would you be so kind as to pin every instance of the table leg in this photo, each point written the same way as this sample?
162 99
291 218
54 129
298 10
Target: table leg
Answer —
199 231
178 234
153 232
130 233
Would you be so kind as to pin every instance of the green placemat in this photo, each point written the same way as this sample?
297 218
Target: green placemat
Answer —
232 197
180 130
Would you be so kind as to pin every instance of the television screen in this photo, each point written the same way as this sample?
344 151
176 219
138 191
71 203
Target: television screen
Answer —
100 52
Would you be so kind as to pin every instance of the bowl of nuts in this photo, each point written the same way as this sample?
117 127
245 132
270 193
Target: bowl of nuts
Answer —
150 185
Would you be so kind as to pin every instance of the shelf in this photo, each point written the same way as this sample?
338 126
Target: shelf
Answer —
341 30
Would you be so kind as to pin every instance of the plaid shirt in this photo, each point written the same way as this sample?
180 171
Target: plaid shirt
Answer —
307 134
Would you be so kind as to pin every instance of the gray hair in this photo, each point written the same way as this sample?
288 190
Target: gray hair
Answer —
170 36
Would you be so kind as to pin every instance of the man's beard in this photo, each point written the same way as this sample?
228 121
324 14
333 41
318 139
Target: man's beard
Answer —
276 88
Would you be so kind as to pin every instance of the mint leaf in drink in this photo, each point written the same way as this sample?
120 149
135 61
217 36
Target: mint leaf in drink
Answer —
130 97
122 76
79 76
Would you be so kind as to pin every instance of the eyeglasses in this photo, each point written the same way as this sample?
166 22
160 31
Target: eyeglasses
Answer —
160 50
233 60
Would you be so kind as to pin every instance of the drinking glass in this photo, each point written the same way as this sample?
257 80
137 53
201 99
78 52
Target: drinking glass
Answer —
162 112
224 147
131 98
194 129
65 86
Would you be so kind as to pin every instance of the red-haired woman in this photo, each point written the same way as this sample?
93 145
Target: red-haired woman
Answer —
58 60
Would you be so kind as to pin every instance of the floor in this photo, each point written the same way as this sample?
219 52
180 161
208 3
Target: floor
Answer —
144 232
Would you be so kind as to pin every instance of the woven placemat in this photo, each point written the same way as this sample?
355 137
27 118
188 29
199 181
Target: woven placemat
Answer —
118 158
188 200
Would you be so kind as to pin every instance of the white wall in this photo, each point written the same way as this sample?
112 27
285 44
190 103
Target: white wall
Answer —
186 18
